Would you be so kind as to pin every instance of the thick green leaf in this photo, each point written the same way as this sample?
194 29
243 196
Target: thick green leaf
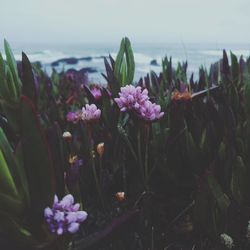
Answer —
130 61
11 110
4 93
10 204
7 184
29 88
37 160
239 180
17 172
119 60
235 69
221 198
16 231
11 85
247 93
12 64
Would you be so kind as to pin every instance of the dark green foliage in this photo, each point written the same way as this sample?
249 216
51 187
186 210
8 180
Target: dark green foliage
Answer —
184 176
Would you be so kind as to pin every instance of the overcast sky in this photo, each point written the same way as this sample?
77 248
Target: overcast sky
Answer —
85 21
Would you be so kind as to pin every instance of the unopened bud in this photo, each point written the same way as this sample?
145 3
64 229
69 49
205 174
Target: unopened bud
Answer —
120 196
67 135
100 149
72 159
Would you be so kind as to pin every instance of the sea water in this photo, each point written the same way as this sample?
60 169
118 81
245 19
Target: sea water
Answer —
195 54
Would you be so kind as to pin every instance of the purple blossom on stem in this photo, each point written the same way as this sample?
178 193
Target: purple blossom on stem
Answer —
137 100
150 111
131 97
90 113
64 216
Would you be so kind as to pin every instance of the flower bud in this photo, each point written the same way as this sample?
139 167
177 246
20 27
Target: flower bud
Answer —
73 159
100 149
120 196
67 136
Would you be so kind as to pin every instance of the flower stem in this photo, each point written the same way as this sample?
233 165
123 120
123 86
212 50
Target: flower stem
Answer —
92 158
140 154
146 155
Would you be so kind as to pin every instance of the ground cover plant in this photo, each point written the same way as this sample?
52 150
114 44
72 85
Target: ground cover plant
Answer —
162 163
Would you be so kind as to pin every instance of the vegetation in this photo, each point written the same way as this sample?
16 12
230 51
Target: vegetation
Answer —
172 181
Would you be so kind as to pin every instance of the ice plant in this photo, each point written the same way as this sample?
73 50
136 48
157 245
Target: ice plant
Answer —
64 216
90 113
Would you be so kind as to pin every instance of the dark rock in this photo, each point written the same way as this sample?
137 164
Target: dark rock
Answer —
87 58
88 70
154 63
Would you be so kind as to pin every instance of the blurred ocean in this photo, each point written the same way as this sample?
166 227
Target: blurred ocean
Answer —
195 54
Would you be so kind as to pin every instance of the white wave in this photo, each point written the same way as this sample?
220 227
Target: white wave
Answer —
139 58
220 52
45 56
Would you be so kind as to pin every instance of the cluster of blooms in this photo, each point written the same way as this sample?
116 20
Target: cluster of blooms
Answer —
64 216
134 98
88 113
227 241
178 96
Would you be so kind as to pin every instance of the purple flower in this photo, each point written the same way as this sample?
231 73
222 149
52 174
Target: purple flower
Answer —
150 111
64 216
137 100
73 116
90 113
96 92
131 97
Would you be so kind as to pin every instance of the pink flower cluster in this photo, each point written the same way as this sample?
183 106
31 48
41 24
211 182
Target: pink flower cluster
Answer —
89 113
131 98
136 99
64 216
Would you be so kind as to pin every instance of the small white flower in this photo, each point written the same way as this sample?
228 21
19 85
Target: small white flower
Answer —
227 241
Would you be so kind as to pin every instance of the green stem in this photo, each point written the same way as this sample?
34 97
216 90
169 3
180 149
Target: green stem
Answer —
100 166
140 154
146 155
94 167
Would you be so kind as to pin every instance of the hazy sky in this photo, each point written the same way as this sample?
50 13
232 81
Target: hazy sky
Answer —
79 21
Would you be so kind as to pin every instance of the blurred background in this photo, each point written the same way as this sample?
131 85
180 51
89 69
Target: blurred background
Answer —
78 33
